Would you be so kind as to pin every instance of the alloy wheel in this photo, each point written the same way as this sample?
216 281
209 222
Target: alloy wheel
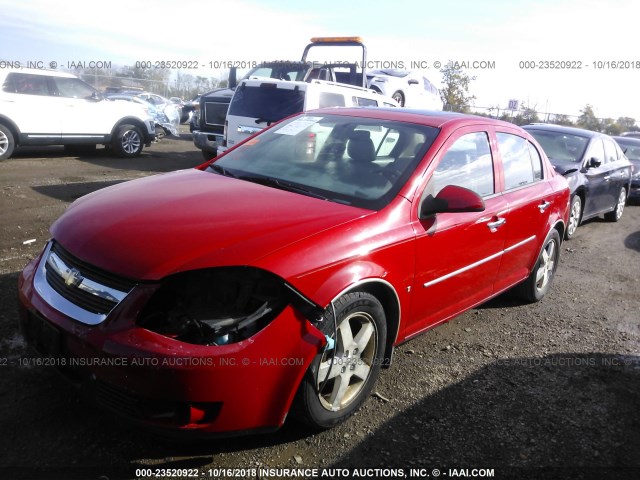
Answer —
622 199
343 374
130 141
4 143
574 216
546 266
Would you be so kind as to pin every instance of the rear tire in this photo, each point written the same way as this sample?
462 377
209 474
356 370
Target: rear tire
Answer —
341 378
537 284
7 143
616 214
128 141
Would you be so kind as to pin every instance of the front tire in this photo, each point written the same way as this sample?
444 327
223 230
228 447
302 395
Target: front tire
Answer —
128 141
575 214
616 214
7 142
341 378
538 283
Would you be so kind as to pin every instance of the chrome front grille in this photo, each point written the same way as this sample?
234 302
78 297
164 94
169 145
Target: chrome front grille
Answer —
78 289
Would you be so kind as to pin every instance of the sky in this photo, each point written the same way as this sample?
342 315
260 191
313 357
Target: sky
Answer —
499 36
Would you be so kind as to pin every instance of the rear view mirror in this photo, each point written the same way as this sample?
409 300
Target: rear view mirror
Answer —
594 163
452 199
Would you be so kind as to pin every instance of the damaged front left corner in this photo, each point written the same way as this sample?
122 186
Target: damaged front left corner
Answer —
221 306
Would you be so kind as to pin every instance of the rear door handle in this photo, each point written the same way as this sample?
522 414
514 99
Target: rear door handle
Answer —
493 226
543 206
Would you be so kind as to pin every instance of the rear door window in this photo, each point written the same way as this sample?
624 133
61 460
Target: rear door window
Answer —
72 88
520 168
610 152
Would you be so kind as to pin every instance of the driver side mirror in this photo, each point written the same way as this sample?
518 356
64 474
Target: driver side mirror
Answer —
593 163
96 97
451 199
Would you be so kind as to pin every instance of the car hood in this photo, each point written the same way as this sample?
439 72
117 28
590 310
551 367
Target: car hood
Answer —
152 227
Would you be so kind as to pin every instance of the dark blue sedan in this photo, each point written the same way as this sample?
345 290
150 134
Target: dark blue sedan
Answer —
595 166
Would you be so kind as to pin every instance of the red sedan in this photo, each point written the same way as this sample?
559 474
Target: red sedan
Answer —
280 276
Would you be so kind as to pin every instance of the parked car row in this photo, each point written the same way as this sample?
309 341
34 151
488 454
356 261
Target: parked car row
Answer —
165 113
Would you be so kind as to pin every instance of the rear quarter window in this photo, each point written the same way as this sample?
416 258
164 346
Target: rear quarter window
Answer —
26 84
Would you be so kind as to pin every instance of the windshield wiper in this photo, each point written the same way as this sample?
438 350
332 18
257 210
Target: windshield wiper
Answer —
221 170
282 185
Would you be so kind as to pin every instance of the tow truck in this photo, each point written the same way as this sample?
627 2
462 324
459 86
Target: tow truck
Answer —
209 124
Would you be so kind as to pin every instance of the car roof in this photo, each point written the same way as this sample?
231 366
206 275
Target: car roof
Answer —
627 140
395 72
431 118
38 71
549 127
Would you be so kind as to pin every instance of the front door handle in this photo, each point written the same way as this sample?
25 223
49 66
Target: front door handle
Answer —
493 226
543 206
607 177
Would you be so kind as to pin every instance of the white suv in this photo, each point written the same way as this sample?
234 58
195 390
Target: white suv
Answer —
259 102
45 107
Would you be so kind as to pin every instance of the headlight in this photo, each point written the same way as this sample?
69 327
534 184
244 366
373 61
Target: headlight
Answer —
218 306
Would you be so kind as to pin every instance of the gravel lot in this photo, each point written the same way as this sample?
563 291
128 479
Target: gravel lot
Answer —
550 390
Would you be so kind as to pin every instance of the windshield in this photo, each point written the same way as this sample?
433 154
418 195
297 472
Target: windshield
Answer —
351 160
561 146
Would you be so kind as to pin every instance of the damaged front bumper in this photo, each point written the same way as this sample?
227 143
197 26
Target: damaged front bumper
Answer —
168 384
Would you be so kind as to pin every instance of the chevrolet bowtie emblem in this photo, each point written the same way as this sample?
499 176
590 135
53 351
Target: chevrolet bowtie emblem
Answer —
72 277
